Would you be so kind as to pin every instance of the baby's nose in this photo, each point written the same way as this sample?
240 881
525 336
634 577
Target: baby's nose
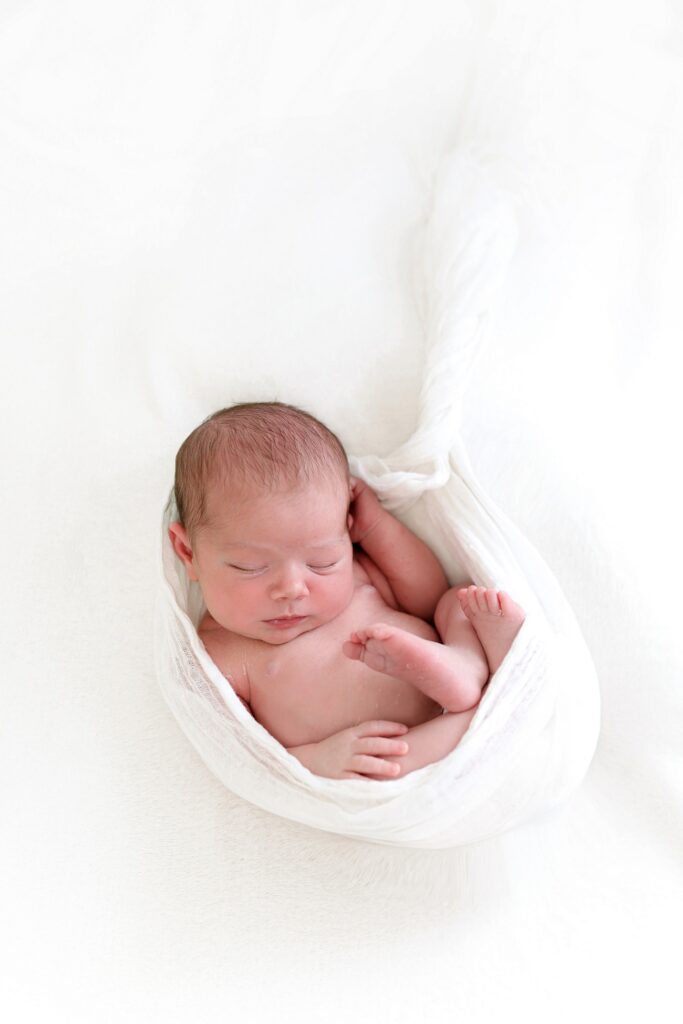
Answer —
290 584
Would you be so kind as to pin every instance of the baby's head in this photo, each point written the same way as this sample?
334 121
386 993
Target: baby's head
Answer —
263 496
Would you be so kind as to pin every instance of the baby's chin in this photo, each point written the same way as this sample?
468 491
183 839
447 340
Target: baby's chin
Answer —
278 635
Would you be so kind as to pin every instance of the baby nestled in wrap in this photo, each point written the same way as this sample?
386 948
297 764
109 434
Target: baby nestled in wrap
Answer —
306 638
333 622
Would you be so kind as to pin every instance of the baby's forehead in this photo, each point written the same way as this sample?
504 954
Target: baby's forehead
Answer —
268 537
226 497
237 511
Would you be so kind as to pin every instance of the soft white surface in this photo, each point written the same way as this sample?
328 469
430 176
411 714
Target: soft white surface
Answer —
208 202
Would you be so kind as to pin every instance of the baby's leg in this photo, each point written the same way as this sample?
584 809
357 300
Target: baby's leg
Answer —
496 619
431 741
476 626
453 672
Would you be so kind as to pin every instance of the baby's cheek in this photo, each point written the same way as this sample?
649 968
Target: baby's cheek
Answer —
344 593
223 605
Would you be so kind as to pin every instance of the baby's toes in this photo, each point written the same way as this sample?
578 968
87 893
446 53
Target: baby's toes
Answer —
465 598
492 602
352 649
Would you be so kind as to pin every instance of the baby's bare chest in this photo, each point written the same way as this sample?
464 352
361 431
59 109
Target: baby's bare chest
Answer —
308 689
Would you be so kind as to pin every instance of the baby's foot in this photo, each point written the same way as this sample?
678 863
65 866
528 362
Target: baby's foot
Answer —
439 671
496 620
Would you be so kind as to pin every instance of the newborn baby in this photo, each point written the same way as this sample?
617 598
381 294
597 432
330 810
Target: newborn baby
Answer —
332 621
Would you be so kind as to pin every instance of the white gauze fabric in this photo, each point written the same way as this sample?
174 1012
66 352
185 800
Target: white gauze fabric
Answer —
535 730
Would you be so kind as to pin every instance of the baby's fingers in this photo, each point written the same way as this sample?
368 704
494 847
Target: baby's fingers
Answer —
367 765
357 485
376 745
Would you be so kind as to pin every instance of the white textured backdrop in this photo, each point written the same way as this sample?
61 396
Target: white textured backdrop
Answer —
207 202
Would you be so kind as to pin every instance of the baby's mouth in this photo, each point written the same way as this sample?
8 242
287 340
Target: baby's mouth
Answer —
286 620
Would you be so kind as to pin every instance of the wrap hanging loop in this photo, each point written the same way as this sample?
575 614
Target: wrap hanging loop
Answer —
466 249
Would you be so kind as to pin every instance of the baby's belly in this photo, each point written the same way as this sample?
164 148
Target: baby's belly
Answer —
306 690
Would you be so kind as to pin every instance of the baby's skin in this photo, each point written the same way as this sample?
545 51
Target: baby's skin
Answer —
331 646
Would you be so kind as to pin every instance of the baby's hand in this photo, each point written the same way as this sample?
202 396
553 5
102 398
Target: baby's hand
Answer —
365 510
358 752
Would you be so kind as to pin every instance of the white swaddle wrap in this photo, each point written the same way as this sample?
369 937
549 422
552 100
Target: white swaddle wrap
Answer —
535 730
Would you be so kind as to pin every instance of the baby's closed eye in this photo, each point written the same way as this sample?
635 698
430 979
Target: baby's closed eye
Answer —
314 567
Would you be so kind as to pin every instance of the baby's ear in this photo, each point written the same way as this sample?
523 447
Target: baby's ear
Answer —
180 542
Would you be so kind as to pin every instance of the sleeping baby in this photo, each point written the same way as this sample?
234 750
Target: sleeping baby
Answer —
332 621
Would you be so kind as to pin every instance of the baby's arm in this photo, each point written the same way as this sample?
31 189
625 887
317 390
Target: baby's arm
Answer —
431 741
411 568
369 750
384 750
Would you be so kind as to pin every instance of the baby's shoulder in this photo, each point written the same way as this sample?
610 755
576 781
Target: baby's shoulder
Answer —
365 571
226 651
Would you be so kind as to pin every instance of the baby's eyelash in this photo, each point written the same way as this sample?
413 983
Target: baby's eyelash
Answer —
260 568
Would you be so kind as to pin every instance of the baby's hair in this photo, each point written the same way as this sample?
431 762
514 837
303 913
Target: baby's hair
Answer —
266 445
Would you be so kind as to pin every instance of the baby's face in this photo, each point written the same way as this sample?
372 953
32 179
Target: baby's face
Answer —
277 565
